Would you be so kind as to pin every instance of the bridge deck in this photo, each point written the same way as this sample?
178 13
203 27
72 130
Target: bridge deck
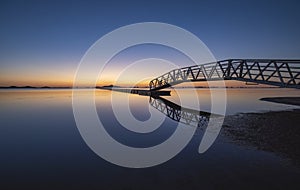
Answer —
281 73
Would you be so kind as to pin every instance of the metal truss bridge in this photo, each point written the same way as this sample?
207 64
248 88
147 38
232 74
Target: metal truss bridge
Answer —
281 73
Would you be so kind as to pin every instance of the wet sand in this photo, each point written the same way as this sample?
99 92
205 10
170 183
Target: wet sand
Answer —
275 131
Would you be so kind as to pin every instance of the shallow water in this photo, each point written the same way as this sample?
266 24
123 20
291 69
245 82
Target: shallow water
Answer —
41 147
239 100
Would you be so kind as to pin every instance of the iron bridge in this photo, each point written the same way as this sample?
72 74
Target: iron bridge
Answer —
281 73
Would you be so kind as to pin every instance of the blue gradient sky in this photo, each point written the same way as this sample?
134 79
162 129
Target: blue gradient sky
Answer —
42 42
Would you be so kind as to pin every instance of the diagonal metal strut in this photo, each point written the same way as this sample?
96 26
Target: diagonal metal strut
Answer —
282 73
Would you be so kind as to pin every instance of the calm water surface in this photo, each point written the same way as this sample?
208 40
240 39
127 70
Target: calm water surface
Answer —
41 147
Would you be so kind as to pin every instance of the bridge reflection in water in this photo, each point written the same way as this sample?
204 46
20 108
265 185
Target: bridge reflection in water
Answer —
191 117
177 113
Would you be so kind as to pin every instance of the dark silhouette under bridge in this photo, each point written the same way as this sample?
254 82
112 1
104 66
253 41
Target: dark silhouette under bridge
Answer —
282 73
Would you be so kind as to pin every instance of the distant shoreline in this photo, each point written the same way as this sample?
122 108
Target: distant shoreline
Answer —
33 87
99 87
283 100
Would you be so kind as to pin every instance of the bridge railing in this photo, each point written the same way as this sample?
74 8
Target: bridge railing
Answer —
283 73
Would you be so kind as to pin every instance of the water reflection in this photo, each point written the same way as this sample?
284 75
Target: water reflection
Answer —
180 114
191 117
41 147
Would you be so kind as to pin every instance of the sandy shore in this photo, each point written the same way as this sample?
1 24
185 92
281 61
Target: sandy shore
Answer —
284 100
275 131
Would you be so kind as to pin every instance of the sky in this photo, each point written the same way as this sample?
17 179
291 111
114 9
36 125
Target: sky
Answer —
42 42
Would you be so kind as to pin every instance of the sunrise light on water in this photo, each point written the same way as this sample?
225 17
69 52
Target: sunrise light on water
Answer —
149 94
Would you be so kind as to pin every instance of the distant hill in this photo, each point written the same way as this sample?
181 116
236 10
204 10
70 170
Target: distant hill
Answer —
108 86
32 87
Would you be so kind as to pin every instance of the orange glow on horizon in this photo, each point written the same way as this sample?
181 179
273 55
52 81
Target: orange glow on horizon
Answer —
56 82
65 78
